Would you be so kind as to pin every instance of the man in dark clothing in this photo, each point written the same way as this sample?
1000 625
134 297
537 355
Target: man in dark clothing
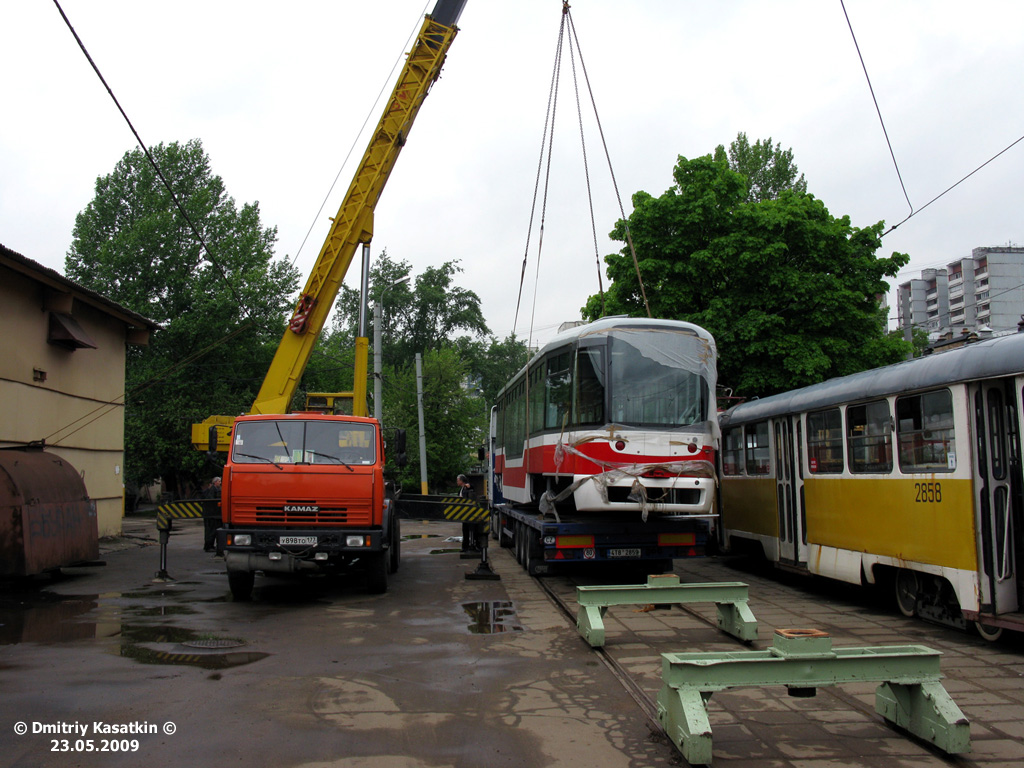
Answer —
469 530
211 524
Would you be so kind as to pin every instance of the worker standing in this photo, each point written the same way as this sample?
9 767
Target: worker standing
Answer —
469 530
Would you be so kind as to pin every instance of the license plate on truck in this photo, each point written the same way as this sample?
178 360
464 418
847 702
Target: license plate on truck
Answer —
624 552
303 541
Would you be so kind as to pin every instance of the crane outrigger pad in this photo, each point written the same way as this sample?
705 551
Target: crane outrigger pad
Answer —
910 694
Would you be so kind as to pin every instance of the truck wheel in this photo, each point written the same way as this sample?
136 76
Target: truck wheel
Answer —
377 566
241 583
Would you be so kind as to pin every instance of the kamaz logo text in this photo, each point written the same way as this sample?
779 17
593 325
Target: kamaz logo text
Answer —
309 508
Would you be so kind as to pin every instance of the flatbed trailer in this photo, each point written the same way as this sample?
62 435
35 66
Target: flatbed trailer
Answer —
542 543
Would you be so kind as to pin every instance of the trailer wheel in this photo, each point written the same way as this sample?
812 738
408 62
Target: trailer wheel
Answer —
504 540
519 535
241 583
377 565
532 557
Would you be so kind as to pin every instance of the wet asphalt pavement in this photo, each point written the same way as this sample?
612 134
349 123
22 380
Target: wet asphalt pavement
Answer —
440 671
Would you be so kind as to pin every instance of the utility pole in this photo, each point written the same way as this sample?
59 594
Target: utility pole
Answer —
423 437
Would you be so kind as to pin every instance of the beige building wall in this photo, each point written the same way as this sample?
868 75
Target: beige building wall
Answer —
70 398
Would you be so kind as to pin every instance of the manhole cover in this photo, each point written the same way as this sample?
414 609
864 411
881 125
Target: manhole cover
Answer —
213 643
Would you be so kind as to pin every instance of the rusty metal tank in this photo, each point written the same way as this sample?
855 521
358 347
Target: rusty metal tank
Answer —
46 517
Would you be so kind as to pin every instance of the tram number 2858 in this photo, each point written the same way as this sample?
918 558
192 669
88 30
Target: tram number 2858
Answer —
928 493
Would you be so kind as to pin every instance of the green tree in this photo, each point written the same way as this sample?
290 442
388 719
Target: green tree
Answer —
452 416
132 244
768 170
442 321
790 293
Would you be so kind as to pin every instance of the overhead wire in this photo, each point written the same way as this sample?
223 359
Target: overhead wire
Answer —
152 161
109 406
957 184
878 109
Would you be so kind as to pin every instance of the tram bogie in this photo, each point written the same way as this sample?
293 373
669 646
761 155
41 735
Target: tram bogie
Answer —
907 476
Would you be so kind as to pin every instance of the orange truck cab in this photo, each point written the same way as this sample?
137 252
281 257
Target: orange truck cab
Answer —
305 492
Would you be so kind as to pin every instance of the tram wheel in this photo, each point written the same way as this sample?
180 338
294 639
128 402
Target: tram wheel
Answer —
907 588
988 632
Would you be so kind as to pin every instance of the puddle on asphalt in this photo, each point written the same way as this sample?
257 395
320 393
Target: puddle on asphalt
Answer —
445 551
161 610
492 616
411 536
39 616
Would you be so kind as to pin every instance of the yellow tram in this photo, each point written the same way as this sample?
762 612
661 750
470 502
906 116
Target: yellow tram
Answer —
908 475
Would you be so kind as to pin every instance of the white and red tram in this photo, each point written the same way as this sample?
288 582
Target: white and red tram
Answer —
614 416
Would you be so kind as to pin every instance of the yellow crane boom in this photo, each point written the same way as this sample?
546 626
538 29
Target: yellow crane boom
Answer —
353 223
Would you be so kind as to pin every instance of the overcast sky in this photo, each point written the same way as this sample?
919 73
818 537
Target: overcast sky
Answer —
278 92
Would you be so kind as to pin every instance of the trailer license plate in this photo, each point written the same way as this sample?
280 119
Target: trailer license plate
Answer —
297 540
624 552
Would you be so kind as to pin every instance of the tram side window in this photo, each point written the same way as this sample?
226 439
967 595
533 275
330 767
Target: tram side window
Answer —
869 437
536 397
590 386
924 432
732 452
758 457
825 441
516 424
558 390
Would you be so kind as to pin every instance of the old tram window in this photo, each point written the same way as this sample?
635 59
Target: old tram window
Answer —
869 437
925 437
732 452
758 457
825 441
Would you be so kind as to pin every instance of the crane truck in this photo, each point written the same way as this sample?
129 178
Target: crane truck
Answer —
305 491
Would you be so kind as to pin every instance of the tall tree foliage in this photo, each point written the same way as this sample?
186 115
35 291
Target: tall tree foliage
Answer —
790 292
769 170
132 244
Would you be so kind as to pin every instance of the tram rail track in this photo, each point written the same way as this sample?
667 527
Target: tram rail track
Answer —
840 718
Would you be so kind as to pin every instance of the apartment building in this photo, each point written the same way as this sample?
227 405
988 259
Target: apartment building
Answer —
980 293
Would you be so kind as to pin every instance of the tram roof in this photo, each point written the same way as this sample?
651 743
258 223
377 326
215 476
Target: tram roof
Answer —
606 324
1000 356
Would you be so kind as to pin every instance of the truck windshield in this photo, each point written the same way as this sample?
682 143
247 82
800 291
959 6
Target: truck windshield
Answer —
303 442
659 378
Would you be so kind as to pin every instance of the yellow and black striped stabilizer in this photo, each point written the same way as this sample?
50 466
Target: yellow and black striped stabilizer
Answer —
454 508
187 509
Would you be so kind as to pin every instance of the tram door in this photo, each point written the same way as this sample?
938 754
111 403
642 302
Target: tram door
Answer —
787 492
998 479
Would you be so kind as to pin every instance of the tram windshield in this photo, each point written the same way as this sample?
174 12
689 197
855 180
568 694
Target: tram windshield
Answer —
659 377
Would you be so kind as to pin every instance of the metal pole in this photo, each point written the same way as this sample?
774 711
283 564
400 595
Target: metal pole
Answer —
377 364
423 437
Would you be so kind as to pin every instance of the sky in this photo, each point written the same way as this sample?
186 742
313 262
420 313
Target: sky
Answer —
279 93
